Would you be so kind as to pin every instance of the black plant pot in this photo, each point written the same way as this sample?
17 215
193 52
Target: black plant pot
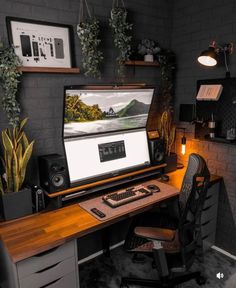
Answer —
16 204
171 162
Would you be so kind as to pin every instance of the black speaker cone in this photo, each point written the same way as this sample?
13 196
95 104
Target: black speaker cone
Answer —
58 180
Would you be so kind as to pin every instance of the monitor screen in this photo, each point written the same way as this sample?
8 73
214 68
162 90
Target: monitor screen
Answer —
94 158
105 132
101 111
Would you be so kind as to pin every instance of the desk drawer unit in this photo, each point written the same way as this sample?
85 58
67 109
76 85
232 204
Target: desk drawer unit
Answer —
55 268
49 275
46 259
52 268
209 216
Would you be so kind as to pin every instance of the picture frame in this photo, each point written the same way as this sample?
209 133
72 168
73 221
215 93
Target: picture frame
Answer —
40 43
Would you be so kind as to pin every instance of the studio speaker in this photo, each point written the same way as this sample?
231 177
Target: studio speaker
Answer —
157 151
53 172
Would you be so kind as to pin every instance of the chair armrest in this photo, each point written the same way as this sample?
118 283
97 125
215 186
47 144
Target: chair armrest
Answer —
155 233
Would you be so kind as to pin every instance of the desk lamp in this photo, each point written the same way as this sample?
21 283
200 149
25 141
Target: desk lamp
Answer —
210 57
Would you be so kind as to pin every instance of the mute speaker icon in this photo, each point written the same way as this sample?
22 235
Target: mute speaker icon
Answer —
220 275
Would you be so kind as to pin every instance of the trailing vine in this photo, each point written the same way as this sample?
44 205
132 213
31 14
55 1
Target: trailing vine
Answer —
88 31
167 62
122 40
9 80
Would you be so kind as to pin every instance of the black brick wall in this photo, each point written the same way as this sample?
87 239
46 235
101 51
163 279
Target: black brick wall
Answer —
195 25
186 27
41 95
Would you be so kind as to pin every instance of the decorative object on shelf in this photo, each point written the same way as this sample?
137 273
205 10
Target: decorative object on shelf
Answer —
167 133
41 44
148 48
88 31
120 29
211 56
16 200
9 80
212 126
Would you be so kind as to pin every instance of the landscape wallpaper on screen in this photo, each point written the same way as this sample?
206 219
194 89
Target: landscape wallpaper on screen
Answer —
89 112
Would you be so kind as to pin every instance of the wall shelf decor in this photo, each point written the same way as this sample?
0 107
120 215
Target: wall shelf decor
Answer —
40 43
141 63
24 69
222 111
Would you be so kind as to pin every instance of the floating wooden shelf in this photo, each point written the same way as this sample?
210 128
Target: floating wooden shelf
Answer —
141 63
25 69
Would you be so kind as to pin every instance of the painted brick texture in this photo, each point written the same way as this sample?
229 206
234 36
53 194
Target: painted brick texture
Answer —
41 95
195 25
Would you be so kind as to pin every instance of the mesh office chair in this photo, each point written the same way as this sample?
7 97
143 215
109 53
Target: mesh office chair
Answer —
174 251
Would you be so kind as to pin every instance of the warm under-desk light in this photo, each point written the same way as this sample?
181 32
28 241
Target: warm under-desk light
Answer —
211 56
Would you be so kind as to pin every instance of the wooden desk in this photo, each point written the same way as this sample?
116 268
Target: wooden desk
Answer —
29 236
37 233
176 178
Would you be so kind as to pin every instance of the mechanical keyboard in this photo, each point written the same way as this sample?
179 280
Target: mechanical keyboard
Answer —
122 197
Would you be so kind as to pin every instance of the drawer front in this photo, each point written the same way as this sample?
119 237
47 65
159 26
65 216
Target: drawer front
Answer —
44 277
209 213
69 281
211 199
208 241
208 228
44 260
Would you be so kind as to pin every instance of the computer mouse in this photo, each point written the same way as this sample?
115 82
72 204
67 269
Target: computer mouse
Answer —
165 178
153 188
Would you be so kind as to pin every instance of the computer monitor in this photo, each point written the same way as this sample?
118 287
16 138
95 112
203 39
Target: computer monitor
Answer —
105 131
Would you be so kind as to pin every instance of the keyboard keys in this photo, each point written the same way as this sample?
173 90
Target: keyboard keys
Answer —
119 198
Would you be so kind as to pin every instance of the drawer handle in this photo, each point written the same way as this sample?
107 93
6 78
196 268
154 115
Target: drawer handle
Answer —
53 282
209 197
203 224
46 252
207 208
47 268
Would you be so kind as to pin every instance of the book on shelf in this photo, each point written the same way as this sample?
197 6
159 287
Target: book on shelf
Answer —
209 92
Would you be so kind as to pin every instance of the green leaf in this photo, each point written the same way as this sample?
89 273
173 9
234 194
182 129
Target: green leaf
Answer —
7 143
22 123
25 159
15 173
1 186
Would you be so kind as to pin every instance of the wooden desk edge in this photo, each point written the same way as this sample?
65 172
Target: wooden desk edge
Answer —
94 226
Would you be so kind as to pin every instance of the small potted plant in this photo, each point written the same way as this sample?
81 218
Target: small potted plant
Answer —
16 200
167 133
148 48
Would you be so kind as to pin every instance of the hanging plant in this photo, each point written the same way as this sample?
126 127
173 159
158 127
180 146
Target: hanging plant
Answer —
167 62
120 30
9 80
88 32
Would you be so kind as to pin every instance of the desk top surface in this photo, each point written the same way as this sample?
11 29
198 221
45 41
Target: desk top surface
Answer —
40 232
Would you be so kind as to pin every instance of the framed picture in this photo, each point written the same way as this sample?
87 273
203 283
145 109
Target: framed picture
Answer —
41 44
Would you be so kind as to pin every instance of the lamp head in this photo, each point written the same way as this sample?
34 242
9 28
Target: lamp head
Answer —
208 57
211 56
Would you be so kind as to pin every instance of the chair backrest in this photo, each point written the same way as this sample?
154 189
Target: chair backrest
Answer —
191 200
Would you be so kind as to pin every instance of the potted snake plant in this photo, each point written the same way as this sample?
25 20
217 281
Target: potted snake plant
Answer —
16 200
